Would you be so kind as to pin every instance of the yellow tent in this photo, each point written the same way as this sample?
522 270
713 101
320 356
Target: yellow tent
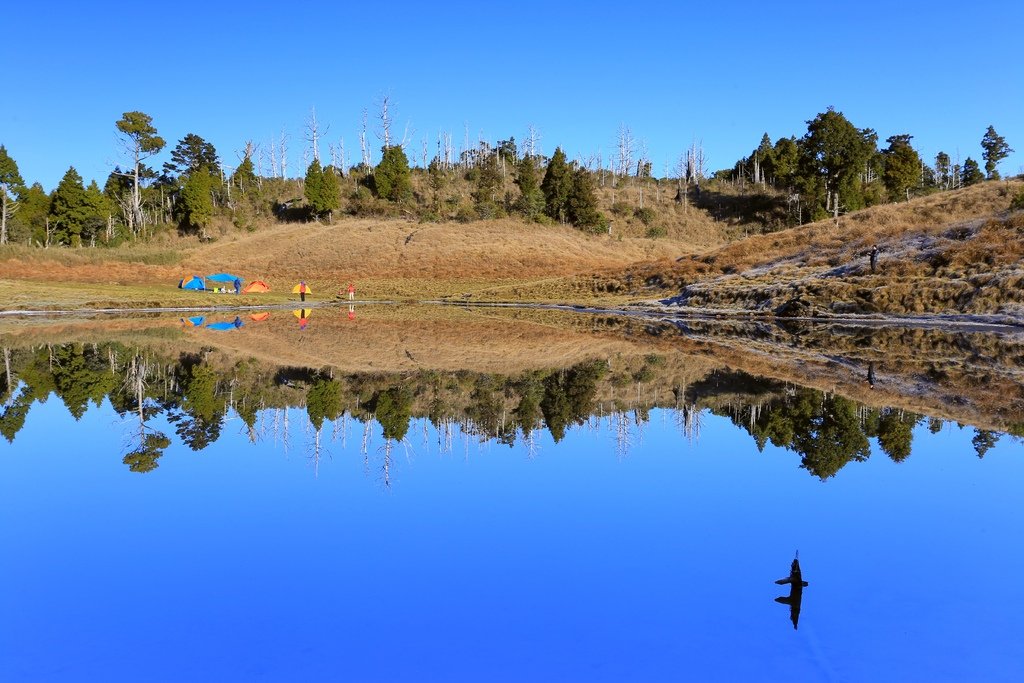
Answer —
295 289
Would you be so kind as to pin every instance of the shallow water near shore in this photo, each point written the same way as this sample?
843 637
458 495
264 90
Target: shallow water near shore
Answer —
407 495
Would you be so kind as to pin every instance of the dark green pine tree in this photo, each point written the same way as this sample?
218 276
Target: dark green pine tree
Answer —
11 185
996 150
99 211
531 201
556 186
392 176
902 166
330 199
196 201
971 174
29 223
191 154
69 209
581 204
244 177
834 152
313 188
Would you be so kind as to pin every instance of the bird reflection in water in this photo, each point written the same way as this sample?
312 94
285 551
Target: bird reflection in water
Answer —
796 590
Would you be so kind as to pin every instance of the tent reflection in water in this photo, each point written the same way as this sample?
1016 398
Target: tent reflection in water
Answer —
303 315
232 325
194 321
256 287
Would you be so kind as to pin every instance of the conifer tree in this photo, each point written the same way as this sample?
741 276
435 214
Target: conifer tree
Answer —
11 185
556 186
971 174
392 177
69 209
581 204
99 209
330 192
190 154
140 141
197 200
244 177
902 166
996 150
942 170
29 223
313 187
834 152
531 200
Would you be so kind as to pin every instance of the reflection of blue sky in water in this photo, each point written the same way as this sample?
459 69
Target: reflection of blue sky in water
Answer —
249 560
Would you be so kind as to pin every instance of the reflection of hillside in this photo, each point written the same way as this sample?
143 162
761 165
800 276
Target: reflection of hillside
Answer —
804 388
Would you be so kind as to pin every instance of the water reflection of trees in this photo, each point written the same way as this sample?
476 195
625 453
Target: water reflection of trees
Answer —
827 431
198 392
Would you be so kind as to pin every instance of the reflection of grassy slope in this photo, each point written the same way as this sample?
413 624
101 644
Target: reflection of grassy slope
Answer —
969 377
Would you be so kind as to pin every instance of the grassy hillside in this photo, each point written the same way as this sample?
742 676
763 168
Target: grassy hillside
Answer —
954 252
387 258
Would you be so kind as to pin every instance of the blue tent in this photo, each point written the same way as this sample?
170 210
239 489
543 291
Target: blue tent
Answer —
234 324
196 283
194 321
223 277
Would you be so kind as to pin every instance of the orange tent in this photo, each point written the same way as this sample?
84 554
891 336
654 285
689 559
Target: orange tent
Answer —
260 317
256 287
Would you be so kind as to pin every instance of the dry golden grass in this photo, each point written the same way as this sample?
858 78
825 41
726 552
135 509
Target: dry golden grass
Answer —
950 252
386 259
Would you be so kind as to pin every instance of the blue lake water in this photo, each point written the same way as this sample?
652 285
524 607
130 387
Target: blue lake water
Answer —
631 549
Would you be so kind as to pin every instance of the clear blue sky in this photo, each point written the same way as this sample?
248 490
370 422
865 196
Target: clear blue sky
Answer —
723 73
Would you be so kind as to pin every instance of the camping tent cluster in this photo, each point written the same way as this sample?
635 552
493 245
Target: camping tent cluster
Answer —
199 284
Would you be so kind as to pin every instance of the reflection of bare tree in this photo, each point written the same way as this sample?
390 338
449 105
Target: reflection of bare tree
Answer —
386 467
531 445
623 438
8 377
149 444
365 449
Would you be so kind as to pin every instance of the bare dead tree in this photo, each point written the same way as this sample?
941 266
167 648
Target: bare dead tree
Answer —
533 141
275 169
8 377
283 148
449 150
625 147
386 119
8 206
313 133
363 144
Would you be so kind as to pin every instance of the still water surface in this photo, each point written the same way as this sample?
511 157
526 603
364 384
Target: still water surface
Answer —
641 546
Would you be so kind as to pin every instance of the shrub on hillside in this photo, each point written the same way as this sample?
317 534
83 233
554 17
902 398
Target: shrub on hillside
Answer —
1017 203
622 209
646 215
656 231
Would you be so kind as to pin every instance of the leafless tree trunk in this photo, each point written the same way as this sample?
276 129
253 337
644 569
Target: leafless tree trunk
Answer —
9 378
313 134
7 208
362 144
283 148
625 145
532 140
385 119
